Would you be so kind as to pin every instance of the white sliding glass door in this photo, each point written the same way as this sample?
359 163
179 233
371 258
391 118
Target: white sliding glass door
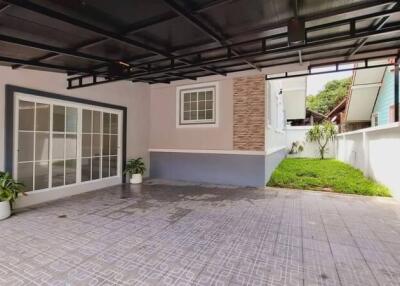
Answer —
60 143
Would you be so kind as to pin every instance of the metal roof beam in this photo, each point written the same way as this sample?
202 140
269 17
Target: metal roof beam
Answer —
78 23
211 32
281 50
48 48
41 65
380 23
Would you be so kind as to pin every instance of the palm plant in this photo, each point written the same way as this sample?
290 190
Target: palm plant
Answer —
322 134
135 166
9 188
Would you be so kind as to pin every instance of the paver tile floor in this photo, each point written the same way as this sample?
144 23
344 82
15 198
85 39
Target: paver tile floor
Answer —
192 235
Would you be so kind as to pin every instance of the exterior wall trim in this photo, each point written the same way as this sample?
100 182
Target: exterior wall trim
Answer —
232 152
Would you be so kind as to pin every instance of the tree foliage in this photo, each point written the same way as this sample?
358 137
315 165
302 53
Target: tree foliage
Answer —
322 134
330 96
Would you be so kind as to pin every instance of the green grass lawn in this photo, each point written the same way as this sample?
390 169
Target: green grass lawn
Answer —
324 175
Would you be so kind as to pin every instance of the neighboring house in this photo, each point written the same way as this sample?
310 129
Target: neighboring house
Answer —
356 110
310 119
383 111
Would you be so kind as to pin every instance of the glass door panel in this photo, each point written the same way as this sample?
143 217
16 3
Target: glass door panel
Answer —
48 144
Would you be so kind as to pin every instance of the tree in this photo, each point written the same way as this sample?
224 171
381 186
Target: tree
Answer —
334 92
322 134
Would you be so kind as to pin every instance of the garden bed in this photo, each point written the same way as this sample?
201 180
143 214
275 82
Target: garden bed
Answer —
324 175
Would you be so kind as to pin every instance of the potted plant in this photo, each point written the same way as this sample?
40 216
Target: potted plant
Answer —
135 169
9 191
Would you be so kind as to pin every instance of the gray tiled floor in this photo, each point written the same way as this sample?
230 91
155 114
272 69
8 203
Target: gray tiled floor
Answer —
188 235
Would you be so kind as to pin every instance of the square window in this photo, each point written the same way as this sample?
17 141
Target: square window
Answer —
197 104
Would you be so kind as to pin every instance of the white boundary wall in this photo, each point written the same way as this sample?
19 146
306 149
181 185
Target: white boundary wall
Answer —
298 133
375 151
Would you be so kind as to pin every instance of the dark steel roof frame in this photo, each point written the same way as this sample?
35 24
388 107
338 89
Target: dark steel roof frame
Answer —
262 40
336 64
134 28
351 35
110 35
281 24
207 29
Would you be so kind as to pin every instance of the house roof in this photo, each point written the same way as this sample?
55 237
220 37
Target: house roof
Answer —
338 108
100 41
365 87
316 114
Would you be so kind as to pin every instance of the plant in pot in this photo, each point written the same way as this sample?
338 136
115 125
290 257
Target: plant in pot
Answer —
9 191
135 169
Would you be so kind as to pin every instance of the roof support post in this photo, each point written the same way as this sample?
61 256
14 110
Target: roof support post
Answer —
396 90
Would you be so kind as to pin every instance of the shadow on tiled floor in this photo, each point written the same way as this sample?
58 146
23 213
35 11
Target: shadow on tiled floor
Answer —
191 235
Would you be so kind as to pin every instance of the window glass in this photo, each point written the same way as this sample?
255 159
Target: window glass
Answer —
106 123
96 121
25 146
70 172
58 146
106 145
58 118
58 173
25 175
86 169
41 175
106 167
72 119
42 146
113 165
86 121
26 115
42 117
114 124
96 168
71 146
86 145
96 145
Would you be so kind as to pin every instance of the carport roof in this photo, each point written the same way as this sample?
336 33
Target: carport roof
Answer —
159 41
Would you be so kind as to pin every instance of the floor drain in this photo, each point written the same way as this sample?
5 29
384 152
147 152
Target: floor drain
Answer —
62 216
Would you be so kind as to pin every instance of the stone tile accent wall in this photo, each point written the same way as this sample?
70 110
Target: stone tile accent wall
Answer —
249 113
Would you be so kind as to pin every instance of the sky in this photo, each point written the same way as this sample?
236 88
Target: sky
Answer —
316 83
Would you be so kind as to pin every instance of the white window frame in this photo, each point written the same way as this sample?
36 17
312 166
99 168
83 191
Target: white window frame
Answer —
205 123
80 106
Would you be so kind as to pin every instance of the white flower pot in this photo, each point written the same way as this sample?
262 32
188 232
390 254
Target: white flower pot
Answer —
5 210
136 179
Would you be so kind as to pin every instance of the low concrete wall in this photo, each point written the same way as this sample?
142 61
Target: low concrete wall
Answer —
375 151
298 133
272 160
214 168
